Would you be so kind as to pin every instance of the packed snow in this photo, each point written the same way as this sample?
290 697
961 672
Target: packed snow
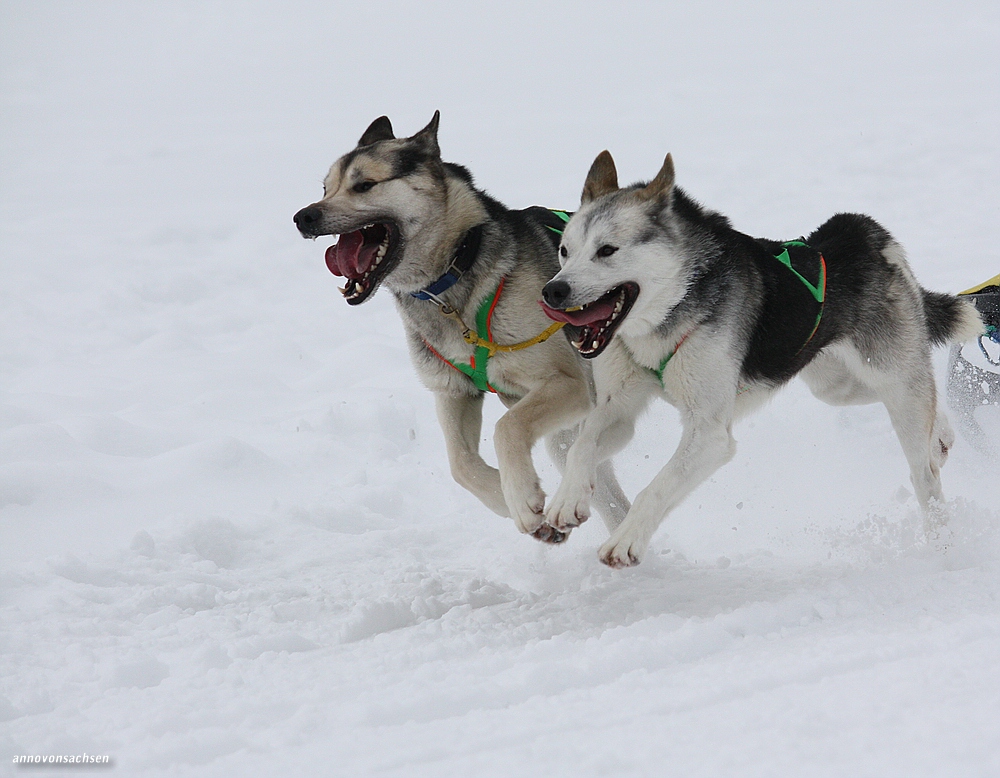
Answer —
230 543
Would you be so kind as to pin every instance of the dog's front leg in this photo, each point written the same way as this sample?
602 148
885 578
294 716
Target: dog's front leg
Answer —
552 405
706 445
622 393
461 419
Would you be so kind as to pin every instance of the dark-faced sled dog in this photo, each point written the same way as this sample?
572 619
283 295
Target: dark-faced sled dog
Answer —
417 225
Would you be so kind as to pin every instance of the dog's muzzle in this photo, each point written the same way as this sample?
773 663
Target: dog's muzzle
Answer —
308 221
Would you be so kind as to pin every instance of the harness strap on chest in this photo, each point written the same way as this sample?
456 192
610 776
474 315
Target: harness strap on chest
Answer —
658 372
476 369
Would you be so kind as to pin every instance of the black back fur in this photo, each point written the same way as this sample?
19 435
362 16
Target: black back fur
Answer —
739 276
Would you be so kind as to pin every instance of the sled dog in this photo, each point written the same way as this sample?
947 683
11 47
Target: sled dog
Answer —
678 304
417 225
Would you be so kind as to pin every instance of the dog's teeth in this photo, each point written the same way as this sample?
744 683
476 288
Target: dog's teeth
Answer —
343 290
594 345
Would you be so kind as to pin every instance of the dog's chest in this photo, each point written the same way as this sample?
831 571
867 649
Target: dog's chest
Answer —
448 361
655 356
647 351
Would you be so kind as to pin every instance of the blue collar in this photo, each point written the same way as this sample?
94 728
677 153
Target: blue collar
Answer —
465 255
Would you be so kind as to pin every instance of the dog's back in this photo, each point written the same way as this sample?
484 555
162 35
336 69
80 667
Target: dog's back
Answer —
870 299
874 299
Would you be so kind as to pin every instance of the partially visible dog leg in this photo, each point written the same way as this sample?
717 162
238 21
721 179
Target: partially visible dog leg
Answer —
706 445
557 403
461 419
608 497
624 392
606 431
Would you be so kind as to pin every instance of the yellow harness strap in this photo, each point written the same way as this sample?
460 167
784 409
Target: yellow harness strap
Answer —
476 339
995 281
473 338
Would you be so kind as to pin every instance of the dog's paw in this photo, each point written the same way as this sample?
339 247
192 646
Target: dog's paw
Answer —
527 509
569 507
550 535
621 552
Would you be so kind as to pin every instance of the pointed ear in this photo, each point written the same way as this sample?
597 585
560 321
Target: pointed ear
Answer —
380 129
602 178
663 183
428 136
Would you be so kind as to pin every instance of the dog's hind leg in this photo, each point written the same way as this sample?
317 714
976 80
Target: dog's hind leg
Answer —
944 438
608 497
905 385
461 419
924 435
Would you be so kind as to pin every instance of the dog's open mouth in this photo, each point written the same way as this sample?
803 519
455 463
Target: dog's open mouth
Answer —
364 257
598 320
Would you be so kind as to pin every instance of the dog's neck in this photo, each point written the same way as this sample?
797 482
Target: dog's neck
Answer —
463 211
436 242
461 261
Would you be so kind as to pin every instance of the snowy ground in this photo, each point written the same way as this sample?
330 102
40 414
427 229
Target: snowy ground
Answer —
230 545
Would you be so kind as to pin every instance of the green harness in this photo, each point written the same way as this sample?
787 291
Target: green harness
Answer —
484 347
818 292
562 216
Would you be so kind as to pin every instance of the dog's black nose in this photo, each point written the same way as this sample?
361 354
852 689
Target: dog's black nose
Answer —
307 219
556 293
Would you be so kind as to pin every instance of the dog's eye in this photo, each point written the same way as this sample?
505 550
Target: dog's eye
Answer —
364 186
563 252
606 250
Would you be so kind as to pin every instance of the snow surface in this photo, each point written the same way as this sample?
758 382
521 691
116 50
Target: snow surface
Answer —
230 544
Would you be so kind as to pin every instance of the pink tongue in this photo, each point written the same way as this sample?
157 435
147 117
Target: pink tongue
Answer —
349 257
596 311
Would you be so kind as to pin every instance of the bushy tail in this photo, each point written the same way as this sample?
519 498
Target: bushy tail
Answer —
950 319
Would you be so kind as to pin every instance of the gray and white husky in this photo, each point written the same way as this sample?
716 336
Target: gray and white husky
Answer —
680 305
417 225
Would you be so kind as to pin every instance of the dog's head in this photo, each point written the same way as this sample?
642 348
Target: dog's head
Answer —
375 199
618 258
